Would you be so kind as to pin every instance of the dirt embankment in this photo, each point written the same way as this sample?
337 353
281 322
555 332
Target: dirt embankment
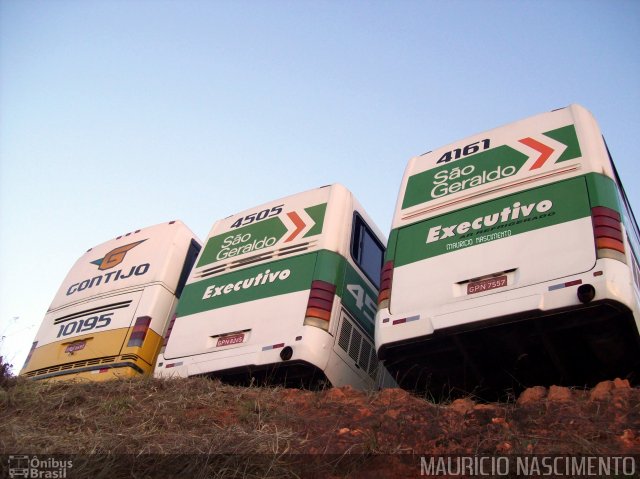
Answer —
289 428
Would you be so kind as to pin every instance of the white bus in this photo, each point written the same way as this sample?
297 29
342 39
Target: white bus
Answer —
283 293
512 262
111 311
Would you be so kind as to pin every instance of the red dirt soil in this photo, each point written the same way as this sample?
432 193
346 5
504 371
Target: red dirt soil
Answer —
337 432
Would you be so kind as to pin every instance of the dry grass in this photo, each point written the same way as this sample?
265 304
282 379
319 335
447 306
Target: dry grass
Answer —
275 432
138 416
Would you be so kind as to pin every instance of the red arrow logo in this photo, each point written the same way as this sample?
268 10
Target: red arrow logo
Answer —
544 150
293 216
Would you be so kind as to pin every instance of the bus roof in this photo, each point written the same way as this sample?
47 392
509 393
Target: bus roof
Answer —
541 149
147 255
288 225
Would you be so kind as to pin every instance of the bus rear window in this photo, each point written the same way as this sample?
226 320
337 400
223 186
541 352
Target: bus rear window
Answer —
366 250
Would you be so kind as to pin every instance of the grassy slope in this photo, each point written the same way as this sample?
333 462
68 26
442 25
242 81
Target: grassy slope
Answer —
196 416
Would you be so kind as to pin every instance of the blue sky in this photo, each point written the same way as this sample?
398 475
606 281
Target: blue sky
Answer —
115 115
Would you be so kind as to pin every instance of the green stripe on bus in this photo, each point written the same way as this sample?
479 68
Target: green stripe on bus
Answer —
330 268
493 220
359 299
263 281
602 191
481 168
282 277
391 245
316 213
350 287
256 236
473 171
242 240
567 136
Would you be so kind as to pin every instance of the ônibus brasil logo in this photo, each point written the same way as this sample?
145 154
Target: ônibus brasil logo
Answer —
33 466
112 259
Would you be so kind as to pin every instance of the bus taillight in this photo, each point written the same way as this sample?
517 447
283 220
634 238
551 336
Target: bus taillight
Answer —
168 333
386 279
139 331
320 303
607 230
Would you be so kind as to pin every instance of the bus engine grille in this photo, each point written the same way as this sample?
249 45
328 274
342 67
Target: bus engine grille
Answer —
74 365
358 347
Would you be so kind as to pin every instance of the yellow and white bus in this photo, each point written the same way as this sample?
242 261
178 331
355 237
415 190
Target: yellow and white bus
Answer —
512 261
111 311
283 293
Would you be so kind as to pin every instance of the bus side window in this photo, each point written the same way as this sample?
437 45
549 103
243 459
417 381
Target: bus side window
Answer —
630 223
189 261
366 250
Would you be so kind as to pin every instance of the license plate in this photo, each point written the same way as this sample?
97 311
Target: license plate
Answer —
486 285
73 347
229 340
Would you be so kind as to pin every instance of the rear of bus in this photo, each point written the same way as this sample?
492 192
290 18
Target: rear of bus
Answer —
264 305
510 262
109 315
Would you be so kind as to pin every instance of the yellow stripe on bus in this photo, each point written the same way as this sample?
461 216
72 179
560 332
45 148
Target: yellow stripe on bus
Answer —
85 356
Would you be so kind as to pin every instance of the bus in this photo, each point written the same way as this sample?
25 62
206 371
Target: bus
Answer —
512 261
111 311
283 294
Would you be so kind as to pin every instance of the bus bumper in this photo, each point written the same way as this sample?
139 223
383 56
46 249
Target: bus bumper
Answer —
540 335
252 359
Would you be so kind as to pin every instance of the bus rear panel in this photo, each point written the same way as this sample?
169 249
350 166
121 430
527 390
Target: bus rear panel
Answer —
112 309
279 297
511 263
